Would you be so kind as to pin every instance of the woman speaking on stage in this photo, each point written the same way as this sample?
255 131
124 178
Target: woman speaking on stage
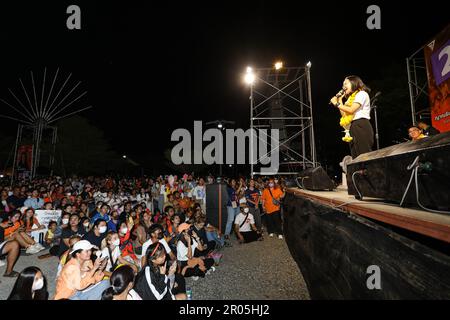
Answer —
357 110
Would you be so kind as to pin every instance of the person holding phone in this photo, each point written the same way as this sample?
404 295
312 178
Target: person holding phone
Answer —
80 279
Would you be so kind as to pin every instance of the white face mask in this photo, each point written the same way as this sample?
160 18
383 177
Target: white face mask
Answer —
38 284
102 229
116 242
65 221
246 210
86 225
124 230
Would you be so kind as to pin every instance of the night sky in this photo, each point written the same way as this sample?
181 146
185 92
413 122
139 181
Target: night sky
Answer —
149 69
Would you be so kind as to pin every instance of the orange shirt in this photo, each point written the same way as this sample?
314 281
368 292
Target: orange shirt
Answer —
71 280
184 203
12 229
268 200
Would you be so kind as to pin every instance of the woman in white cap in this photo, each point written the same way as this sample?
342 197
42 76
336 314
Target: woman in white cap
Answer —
79 278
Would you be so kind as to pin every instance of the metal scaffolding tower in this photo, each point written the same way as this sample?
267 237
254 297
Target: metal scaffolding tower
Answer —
280 98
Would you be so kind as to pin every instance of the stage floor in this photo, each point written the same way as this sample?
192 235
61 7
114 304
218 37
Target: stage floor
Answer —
423 222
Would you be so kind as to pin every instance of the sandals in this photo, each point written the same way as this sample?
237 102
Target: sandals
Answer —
12 274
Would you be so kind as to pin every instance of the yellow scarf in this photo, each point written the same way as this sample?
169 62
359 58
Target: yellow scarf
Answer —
346 119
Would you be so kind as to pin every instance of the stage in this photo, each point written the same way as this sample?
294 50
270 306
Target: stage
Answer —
334 238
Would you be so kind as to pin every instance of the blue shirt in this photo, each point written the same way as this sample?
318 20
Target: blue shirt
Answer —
98 215
112 226
35 203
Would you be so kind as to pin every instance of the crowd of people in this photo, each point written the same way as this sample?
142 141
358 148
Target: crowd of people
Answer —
127 238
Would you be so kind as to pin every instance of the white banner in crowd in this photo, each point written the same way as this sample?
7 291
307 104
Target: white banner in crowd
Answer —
44 217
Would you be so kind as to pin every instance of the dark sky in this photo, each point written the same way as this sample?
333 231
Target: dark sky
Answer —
151 68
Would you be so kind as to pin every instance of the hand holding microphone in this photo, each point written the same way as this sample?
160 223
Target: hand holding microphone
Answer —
334 101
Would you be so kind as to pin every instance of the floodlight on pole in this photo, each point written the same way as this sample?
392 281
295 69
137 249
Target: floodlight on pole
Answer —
124 156
278 65
308 65
220 126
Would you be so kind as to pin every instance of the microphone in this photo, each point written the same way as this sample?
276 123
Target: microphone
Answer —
339 94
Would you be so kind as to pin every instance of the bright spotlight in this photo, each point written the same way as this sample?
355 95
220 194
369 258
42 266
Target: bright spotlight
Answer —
249 78
220 126
249 70
278 65
124 156
309 64
2 176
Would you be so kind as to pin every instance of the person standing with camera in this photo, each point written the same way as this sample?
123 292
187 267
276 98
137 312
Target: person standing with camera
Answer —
271 199
357 105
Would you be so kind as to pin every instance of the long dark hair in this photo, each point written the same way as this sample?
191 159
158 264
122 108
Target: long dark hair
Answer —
22 289
154 251
357 84
120 279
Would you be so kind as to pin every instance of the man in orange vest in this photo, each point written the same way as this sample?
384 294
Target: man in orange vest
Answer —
271 200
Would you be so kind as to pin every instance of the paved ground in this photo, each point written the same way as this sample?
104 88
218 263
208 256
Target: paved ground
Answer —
259 270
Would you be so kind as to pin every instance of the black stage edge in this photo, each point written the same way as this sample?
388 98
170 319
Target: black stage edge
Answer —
333 250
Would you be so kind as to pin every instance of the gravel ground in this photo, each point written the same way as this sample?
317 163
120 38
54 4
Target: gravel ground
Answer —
259 270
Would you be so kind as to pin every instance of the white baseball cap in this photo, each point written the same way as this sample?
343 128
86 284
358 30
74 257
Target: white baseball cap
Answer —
81 245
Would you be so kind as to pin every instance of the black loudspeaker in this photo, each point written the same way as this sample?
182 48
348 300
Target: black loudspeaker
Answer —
386 173
315 179
216 205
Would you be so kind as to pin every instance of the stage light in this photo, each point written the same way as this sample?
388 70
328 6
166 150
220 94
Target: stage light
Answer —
2 176
309 64
278 65
249 70
124 156
219 126
249 78
231 165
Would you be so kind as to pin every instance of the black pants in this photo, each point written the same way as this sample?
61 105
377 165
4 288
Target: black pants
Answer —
362 134
196 272
274 222
180 286
257 216
250 236
210 246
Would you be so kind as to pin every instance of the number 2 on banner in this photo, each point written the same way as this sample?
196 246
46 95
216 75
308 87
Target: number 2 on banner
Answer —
446 68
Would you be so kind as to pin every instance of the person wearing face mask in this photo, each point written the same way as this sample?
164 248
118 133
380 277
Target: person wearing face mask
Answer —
97 234
86 224
156 234
102 214
30 285
126 243
271 199
244 225
111 250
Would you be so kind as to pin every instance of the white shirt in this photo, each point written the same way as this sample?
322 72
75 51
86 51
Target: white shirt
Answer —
182 250
247 225
199 192
363 99
115 255
149 242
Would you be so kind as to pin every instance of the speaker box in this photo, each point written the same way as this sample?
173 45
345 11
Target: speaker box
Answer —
216 205
315 179
384 173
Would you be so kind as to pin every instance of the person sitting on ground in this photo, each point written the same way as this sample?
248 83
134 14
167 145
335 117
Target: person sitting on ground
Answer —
140 231
427 129
190 266
34 202
30 285
198 229
156 234
14 230
111 249
10 249
48 206
157 281
103 214
245 227
80 279
415 133
126 244
97 234
122 282
29 221
65 256
112 223
74 228
85 223
49 237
